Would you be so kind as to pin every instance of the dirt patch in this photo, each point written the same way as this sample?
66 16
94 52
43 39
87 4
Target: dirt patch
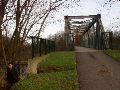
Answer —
49 69
3 82
103 70
32 64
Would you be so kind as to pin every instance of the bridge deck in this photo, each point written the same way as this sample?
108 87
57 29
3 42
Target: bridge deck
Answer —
96 70
83 49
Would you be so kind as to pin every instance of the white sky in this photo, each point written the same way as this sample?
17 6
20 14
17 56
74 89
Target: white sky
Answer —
87 7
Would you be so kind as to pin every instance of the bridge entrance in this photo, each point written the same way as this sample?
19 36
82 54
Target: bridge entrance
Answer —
87 31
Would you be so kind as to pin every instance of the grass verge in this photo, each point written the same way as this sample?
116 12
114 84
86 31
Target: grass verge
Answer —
58 61
65 79
113 53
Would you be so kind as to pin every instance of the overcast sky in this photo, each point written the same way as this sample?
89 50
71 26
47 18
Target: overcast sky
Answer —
110 15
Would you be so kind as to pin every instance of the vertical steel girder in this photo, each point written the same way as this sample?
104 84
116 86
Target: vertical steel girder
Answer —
67 32
98 46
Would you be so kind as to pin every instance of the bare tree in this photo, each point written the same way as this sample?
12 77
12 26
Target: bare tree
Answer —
21 17
3 4
30 13
24 15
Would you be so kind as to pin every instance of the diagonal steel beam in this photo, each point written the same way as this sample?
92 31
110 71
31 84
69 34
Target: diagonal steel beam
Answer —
80 17
90 25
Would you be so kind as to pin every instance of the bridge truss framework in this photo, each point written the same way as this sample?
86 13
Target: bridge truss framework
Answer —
88 30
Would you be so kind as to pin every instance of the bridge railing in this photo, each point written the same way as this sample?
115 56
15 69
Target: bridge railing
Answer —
41 46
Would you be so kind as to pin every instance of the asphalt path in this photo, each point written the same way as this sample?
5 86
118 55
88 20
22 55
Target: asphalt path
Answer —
96 70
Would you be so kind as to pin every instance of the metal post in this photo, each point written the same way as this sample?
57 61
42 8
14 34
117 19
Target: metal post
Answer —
88 40
45 46
33 53
111 36
98 32
40 47
37 47
66 41
49 45
54 46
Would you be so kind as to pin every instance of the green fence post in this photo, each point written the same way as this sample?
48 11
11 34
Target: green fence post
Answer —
40 46
33 52
45 46
111 36
48 42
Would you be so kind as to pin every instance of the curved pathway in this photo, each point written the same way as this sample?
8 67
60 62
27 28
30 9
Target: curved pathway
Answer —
96 70
32 64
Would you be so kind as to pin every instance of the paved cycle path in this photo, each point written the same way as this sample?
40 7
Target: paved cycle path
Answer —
96 70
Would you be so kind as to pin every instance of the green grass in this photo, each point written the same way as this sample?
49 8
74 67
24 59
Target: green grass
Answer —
62 60
61 80
113 53
49 81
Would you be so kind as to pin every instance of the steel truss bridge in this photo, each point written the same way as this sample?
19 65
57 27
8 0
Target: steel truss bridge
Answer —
86 31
